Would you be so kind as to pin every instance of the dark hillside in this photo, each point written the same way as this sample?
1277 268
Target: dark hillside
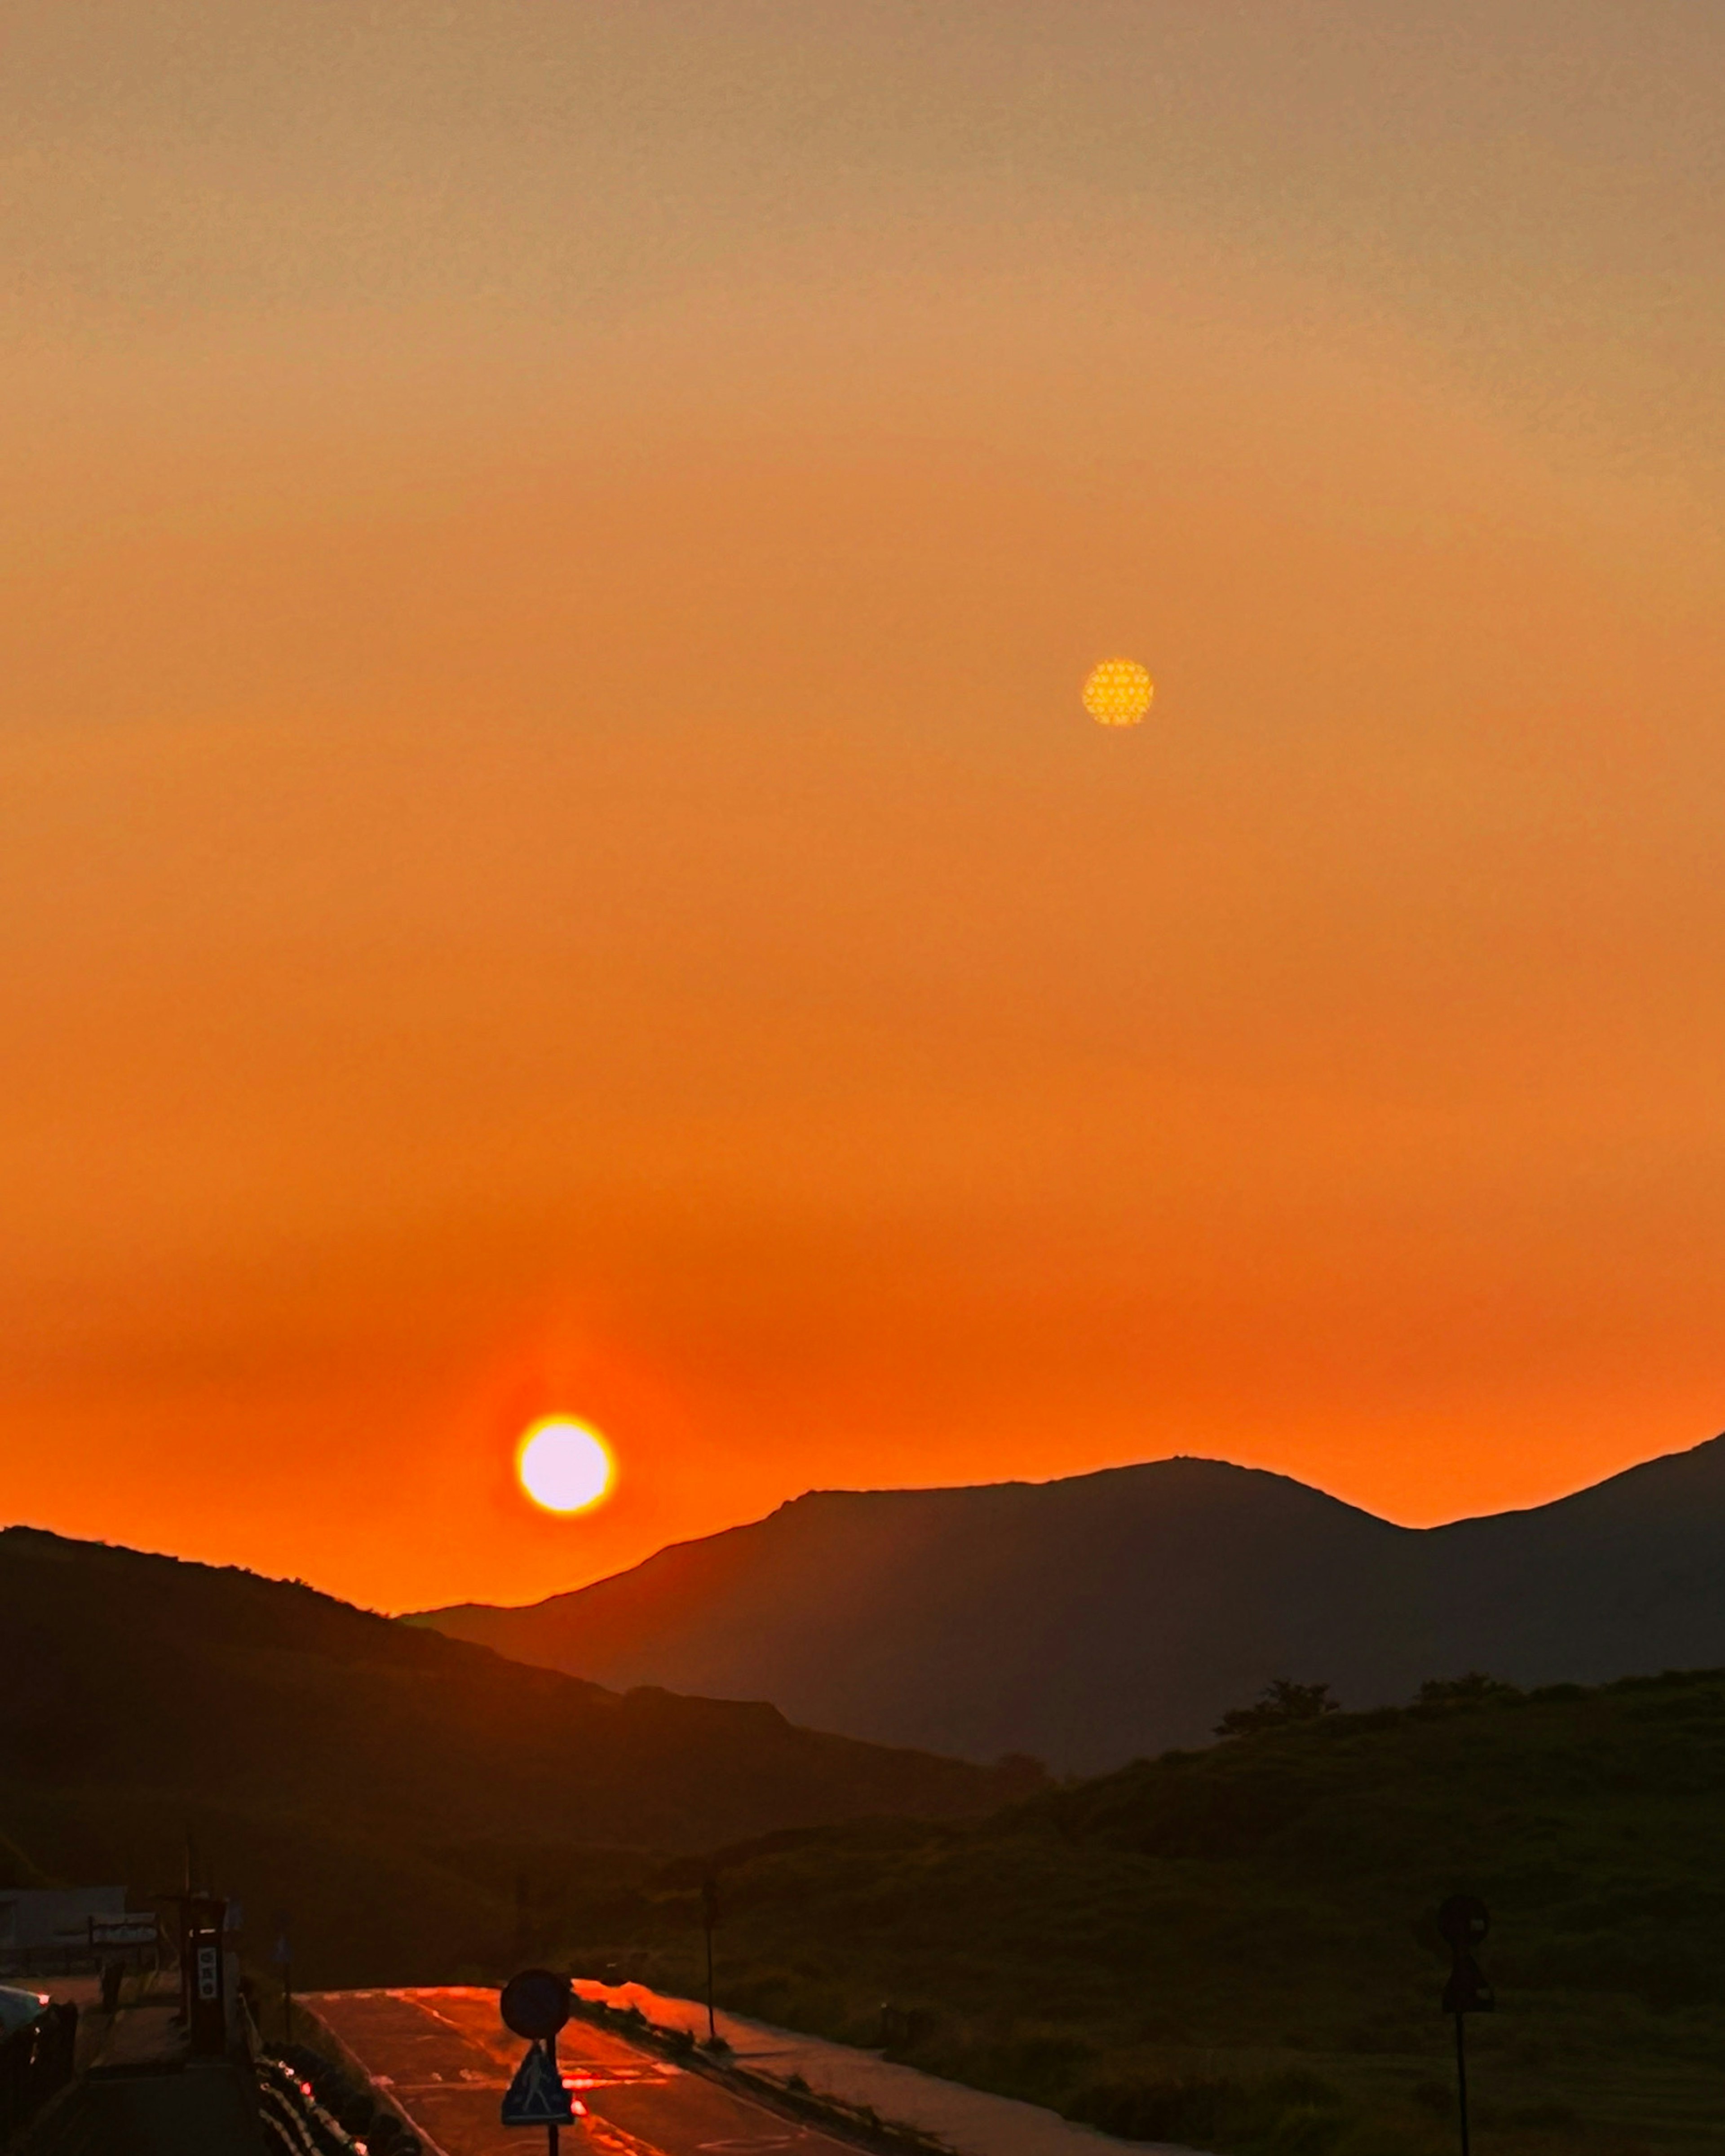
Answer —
1629 1575
1078 1621
1236 1948
1089 1619
137 1693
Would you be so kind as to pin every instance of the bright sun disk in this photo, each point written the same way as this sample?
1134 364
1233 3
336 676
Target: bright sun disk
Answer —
563 1465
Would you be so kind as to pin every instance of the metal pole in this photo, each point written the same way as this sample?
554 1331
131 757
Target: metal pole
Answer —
711 2029
185 1909
186 1935
1461 2079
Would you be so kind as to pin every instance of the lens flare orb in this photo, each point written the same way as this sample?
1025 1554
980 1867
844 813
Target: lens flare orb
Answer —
563 1465
1117 693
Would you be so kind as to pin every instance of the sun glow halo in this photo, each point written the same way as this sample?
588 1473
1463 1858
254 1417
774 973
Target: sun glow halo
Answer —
563 1465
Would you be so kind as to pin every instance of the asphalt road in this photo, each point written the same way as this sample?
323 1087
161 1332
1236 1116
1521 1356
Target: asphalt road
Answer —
445 2058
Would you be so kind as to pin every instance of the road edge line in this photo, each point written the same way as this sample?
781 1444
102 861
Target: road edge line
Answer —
432 2147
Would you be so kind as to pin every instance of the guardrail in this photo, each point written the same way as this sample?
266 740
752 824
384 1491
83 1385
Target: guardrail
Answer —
308 2107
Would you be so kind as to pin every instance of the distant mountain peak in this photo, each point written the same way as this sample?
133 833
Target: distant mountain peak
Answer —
1093 1617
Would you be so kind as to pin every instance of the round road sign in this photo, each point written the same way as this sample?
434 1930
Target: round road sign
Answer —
1464 1921
536 2004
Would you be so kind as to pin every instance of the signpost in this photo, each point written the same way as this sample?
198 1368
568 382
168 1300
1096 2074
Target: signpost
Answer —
1463 1920
127 1930
536 2005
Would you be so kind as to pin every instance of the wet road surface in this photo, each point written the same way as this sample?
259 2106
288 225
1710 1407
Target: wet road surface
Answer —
445 2058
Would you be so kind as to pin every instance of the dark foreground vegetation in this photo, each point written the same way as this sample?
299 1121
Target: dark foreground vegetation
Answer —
325 1761
1235 1949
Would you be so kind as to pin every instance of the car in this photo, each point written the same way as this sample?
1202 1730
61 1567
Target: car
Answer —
19 2008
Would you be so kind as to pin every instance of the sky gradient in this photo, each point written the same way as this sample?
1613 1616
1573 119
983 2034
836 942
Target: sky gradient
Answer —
550 855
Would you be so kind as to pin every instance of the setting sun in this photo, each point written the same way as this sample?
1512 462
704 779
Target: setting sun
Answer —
563 1465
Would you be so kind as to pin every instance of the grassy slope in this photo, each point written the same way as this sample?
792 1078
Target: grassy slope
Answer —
1236 1947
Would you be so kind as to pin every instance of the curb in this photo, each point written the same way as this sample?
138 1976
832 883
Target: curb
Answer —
856 2122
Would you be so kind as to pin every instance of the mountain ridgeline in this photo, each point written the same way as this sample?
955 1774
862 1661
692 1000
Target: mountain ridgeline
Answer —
1091 1620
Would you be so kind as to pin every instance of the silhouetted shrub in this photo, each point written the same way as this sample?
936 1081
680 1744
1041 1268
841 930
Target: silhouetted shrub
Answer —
1467 1690
1278 1703
1293 2114
1188 2109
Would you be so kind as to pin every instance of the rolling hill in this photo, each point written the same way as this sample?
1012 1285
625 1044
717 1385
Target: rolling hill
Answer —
1091 1620
1236 1948
328 1760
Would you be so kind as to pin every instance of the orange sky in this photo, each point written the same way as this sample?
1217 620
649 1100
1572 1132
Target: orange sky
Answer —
550 857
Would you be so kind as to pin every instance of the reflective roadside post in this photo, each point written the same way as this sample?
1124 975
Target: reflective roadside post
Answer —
1463 1920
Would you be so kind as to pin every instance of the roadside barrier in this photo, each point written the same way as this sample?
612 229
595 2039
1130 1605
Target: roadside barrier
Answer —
308 2107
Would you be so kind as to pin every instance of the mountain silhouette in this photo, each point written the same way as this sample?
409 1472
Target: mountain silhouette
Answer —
1090 1620
367 1776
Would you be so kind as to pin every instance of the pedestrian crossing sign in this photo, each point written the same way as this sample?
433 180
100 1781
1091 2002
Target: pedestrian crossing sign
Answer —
537 2096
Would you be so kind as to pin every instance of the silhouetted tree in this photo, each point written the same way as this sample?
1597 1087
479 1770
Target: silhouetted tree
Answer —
1277 1705
1460 1692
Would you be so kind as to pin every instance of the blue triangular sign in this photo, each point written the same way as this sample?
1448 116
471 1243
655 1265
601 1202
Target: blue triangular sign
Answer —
537 2096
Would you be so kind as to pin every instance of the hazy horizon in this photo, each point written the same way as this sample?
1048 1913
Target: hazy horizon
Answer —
552 859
